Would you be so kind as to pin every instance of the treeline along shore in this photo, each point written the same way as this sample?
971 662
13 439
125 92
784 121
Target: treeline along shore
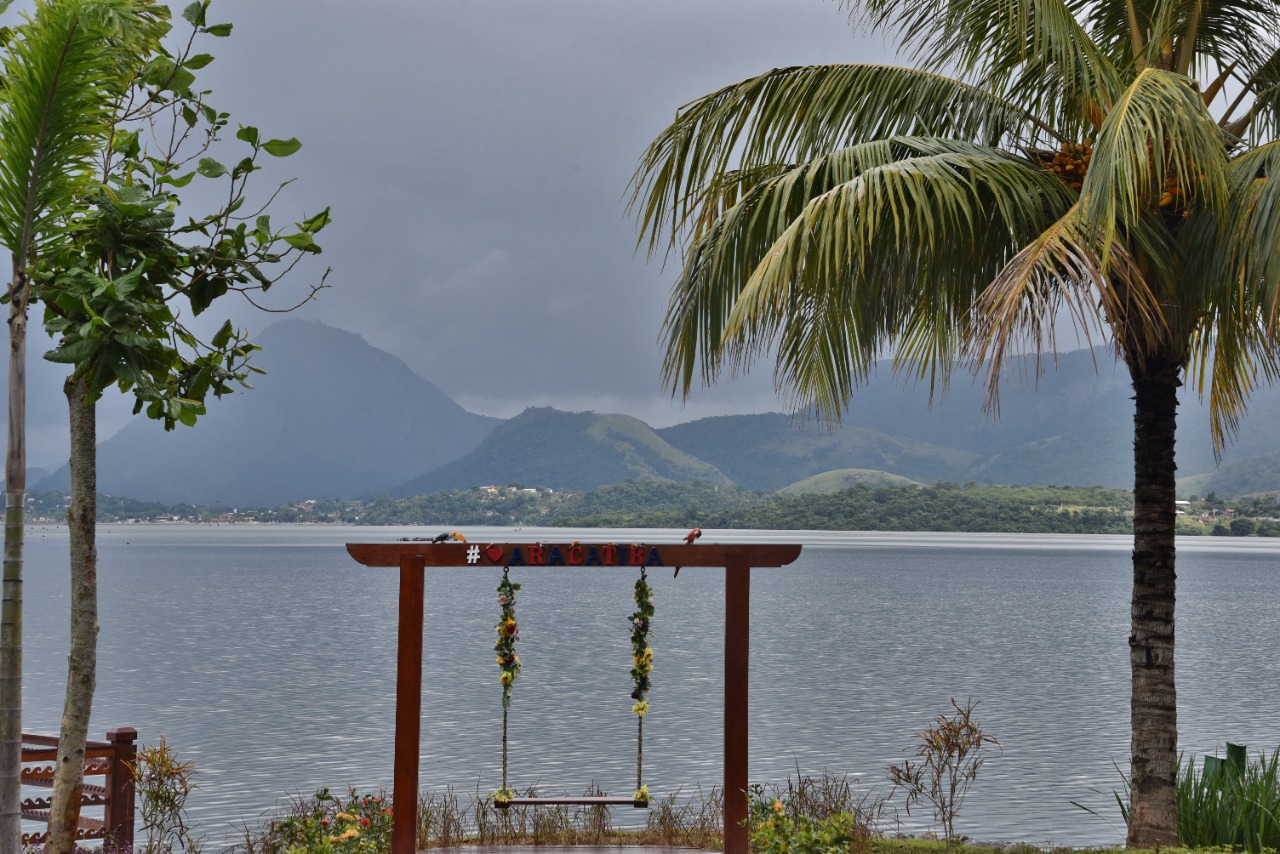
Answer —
657 504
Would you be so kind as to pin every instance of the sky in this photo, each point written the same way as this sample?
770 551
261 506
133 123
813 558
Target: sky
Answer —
476 157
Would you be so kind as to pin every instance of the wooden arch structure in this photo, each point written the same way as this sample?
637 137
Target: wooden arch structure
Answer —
413 558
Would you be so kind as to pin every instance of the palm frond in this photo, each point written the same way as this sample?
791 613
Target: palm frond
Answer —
1062 270
62 75
896 253
727 248
1239 272
1222 31
1231 354
792 115
1159 130
1006 43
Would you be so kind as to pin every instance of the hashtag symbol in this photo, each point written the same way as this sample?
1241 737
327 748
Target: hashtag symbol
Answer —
473 554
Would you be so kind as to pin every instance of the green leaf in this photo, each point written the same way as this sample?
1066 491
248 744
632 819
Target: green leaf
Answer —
133 339
200 60
211 168
315 223
301 240
248 133
194 14
188 415
126 143
180 181
219 30
74 351
223 335
281 147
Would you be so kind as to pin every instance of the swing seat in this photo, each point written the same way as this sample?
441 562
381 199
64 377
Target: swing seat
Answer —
584 800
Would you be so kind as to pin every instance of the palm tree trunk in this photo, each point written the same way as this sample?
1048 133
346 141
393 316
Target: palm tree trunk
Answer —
82 663
1153 812
15 473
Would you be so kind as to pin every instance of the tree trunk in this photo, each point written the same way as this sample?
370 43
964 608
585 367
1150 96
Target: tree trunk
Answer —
15 473
1153 809
82 663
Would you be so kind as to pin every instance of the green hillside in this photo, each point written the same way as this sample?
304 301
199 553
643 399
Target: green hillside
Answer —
834 481
773 451
566 450
1255 476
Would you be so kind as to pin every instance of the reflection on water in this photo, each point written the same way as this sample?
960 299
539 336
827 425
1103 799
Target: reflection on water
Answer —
267 655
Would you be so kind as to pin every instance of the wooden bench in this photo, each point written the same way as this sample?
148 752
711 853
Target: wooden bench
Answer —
111 759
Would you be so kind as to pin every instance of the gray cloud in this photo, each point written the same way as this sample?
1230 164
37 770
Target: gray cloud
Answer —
476 155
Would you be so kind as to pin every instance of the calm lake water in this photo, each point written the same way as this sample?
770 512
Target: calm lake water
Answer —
267 655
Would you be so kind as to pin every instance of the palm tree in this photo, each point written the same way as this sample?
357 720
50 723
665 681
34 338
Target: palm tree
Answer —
1105 161
60 68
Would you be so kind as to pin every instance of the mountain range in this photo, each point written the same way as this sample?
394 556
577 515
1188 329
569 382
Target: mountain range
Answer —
335 417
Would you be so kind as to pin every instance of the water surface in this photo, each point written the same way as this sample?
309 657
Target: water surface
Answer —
267 655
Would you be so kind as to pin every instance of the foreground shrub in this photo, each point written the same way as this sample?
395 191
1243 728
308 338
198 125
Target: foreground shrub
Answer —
777 827
949 755
327 825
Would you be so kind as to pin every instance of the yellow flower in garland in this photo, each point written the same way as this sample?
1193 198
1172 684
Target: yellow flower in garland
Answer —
641 795
641 708
641 651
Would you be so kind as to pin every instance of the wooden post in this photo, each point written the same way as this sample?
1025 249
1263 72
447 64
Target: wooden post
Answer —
404 781
737 645
120 808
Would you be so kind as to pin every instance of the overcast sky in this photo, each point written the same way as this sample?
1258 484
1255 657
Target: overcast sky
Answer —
475 155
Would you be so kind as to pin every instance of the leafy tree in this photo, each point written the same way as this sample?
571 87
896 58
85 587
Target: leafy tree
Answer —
108 292
64 66
1045 158
1242 527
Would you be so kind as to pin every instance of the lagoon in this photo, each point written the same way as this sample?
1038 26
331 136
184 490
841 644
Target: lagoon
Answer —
266 655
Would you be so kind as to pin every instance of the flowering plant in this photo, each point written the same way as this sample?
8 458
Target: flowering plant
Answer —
777 828
360 826
505 648
504 795
641 795
642 653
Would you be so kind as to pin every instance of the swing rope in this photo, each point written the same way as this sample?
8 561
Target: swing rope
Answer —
642 666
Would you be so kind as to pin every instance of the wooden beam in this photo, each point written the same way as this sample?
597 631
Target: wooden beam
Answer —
498 554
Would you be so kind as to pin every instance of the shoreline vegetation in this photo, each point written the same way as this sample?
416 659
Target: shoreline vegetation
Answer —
1223 808
941 507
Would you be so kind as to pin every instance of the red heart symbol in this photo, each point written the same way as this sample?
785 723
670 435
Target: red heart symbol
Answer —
493 552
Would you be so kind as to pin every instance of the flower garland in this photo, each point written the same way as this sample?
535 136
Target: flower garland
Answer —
508 661
641 652
509 665
641 667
